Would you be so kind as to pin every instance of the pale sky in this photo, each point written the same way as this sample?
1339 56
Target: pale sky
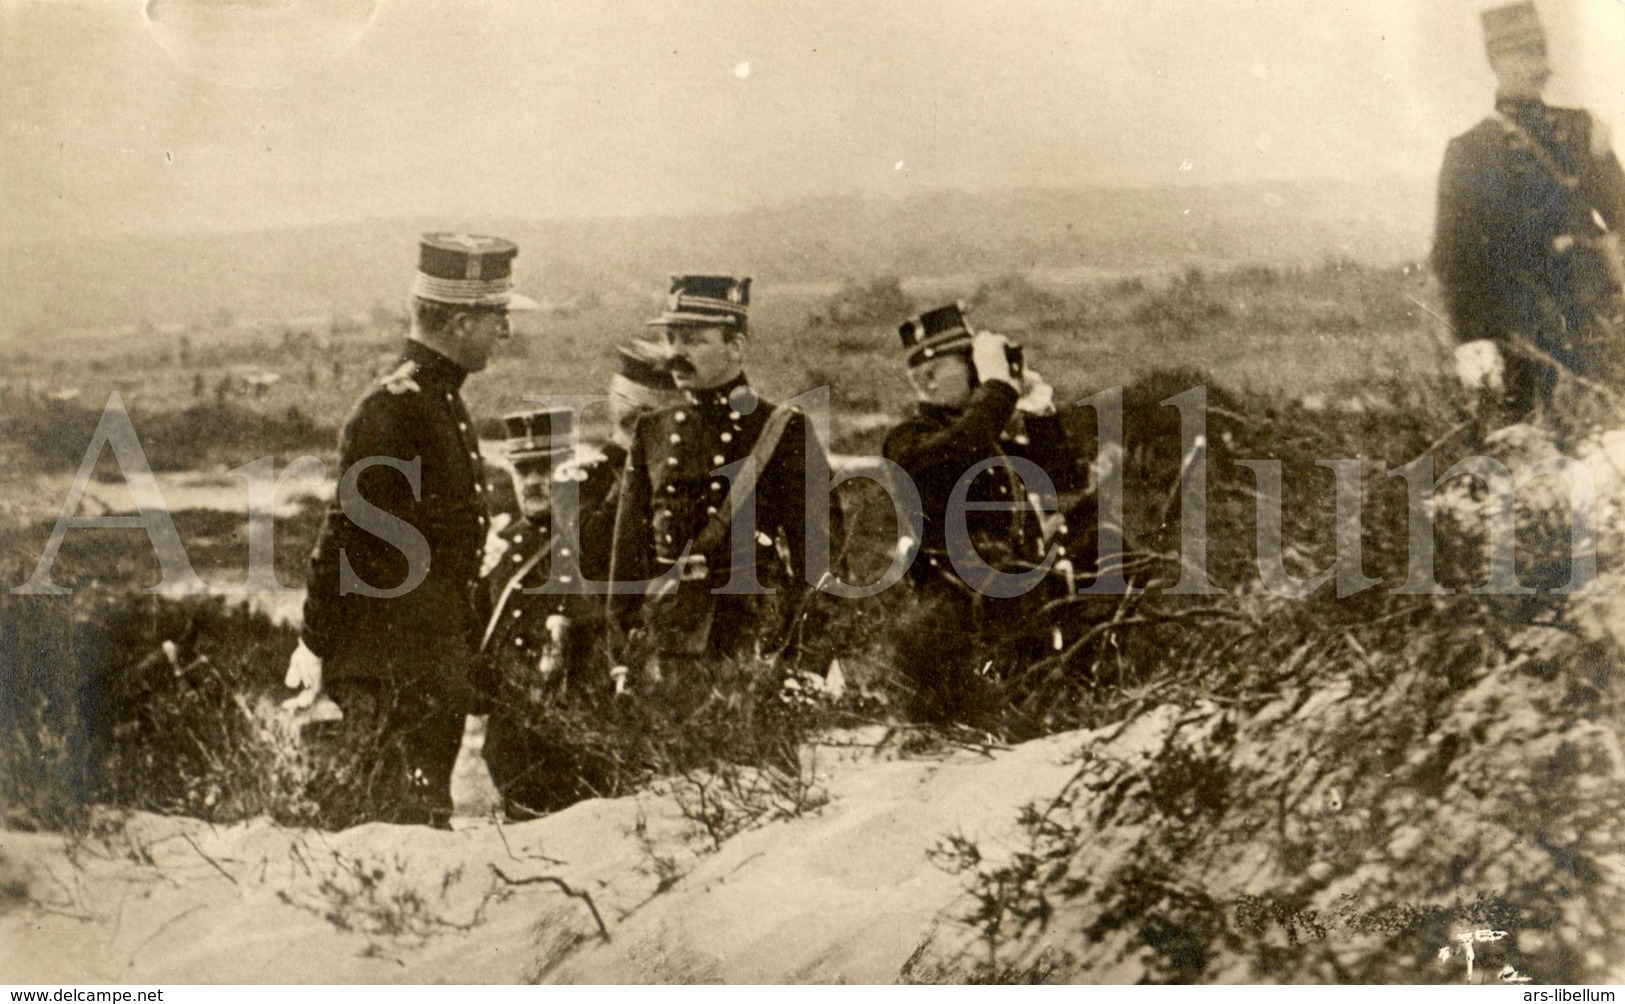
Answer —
120 115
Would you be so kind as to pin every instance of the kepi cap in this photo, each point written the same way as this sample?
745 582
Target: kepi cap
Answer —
938 332
539 434
468 270
1513 26
644 382
705 300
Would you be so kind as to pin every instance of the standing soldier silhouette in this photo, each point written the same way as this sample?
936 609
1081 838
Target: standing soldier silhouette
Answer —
1526 246
685 494
396 605
972 389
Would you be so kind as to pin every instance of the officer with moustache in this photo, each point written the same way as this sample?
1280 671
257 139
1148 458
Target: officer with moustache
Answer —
1530 203
679 518
396 605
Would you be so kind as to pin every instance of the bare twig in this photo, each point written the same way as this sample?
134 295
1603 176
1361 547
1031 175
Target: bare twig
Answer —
161 929
533 856
229 877
1447 435
564 887
1530 350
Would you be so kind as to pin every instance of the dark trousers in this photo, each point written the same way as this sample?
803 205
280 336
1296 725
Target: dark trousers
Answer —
390 759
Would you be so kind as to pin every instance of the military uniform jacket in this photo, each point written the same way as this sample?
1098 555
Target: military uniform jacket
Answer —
1509 189
936 446
415 415
518 630
669 492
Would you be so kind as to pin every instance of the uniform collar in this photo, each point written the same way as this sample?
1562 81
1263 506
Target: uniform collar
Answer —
721 397
432 367
1523 109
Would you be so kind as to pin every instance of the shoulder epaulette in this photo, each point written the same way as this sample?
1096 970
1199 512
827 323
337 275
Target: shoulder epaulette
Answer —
400 380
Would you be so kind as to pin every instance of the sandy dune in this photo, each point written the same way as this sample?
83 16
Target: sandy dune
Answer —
845 893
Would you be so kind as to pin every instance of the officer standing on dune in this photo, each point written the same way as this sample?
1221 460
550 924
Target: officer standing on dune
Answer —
1530 203
396 605
679 509
542 644
971 385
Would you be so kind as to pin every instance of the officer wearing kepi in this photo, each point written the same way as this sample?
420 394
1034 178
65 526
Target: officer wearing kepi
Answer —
527 632
685 491
554 630
543 645
395 605
977 401
1530 203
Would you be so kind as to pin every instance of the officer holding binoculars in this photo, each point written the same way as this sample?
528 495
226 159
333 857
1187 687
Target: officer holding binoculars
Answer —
977 401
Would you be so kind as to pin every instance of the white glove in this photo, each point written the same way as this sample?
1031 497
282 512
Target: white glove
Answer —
1037 397
495 545
305 671
1479 365
987 356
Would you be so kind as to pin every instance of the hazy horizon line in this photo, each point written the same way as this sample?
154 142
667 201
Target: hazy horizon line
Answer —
789 202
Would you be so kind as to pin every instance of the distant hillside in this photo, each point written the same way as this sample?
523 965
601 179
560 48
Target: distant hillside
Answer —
346 268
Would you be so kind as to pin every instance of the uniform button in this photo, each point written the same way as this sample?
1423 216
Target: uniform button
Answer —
710 510
727 437
719 460
490 487
566 579
668 538
671 489
518 613
463 426
716 486
517 539
681 416
676 438
448 397
671 461
564 552
517 559
482 521
519 643
733 415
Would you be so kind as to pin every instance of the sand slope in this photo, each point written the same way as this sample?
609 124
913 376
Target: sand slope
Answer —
845 893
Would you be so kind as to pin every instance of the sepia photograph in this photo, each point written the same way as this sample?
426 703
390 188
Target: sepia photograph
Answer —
914 492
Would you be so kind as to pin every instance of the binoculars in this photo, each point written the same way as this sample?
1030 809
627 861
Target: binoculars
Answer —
1014 356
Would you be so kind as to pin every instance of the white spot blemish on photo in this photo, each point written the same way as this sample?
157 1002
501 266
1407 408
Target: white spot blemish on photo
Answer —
742 70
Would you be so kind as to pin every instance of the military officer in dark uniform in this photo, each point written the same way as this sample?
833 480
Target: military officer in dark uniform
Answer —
977 402
540 643
395 603
1529 200
528 617
676 520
